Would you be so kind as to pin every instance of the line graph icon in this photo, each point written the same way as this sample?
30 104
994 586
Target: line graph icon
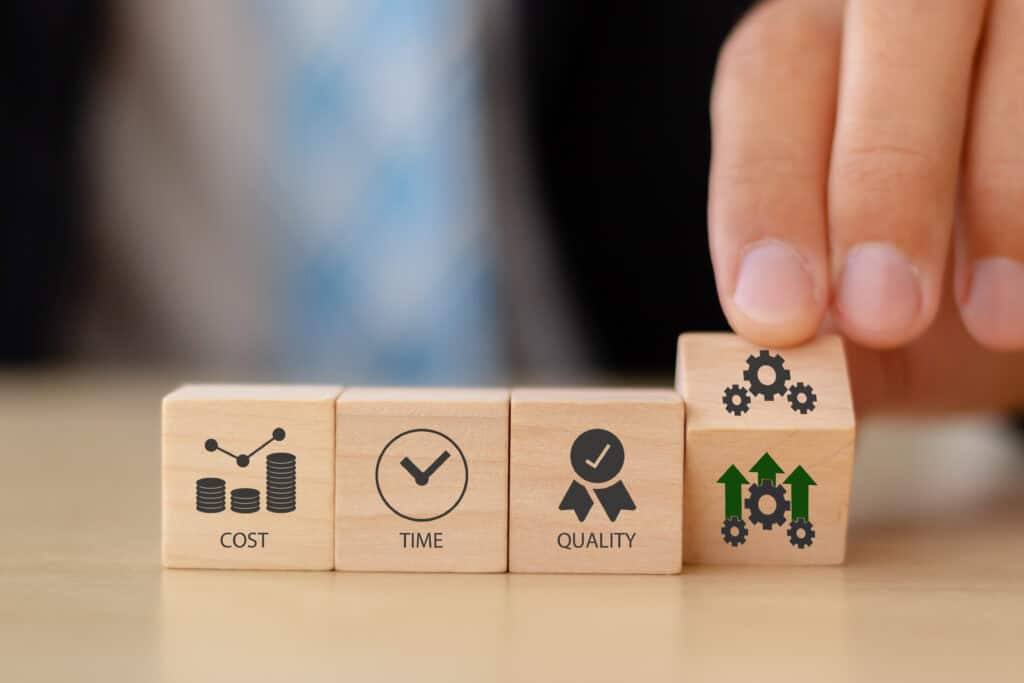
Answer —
280 482
242 459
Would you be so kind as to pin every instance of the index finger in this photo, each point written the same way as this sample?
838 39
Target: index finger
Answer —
772 117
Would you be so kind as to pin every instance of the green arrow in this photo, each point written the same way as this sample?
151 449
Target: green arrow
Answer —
799 482
766 469
734 481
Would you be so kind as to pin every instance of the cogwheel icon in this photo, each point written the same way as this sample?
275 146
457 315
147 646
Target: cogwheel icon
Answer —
736 399
753 504
735 531
801 533
762 360
801 397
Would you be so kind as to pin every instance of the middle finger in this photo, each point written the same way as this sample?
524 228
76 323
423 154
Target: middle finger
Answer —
904 87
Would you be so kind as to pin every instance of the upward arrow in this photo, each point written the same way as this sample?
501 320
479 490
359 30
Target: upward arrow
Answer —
766 469
799 482
734 481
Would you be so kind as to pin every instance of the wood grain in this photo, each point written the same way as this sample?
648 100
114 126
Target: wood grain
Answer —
383 516
935 597
240 418
545 425
820 440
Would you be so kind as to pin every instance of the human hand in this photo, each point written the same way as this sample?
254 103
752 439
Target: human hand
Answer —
868 175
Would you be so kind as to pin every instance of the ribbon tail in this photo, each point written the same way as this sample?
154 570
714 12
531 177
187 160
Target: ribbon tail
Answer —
578 500
615 499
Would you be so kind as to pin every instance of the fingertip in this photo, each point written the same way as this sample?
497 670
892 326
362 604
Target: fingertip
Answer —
776 301
881 298
993 308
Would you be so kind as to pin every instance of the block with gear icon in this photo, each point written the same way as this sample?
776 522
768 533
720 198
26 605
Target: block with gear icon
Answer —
769 450
422 480
248 476
596 481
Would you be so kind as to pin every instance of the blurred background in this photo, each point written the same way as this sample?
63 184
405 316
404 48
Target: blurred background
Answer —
381 191
416 191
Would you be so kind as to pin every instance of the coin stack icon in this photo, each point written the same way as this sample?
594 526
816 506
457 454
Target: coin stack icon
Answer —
210 494
245 500
281 482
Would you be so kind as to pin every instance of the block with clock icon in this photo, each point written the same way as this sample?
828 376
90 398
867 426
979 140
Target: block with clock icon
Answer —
596 481
769 450
422 480
248 476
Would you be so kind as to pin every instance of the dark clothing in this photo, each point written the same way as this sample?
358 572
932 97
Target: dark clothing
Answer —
51 48
617 105
617 114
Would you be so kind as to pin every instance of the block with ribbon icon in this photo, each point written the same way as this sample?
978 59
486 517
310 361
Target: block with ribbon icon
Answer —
422 480
595 481
769 450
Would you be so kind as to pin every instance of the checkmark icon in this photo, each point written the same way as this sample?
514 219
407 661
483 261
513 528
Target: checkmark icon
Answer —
423 476
600 457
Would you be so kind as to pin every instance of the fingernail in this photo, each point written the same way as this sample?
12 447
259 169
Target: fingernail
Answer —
774 286
879 296
994 309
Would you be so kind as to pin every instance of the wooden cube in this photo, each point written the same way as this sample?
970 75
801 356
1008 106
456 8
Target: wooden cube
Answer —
422 480
248 477
769 451
596 481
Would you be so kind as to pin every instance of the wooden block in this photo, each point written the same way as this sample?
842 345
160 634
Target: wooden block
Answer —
422 480
248 477
596 481
767 481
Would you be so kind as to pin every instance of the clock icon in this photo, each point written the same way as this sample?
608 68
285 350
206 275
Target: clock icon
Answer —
421 475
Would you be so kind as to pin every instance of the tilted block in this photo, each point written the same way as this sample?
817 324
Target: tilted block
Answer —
422 480
248 477
596 481
769 451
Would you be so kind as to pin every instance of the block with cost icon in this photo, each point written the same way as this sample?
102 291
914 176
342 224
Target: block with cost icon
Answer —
596 481
769 450
248 476
422 480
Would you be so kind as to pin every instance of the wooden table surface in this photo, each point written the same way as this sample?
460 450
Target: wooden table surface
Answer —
82 595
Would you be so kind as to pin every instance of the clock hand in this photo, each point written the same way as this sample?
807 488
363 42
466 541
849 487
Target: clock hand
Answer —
410 467
437 463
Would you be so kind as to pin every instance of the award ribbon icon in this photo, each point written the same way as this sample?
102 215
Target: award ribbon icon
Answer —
597 457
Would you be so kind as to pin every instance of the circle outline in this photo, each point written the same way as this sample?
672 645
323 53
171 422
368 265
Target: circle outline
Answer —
465 482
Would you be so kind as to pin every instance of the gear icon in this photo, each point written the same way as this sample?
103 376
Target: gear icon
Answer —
762 360
776 516
736 399
802 398
801 533
735 531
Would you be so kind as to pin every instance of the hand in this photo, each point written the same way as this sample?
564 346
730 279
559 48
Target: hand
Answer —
868 175
421 478
440 460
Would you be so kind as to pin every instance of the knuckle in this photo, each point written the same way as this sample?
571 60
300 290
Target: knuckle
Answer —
773 189
992 199
888 189
882 163
768 171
